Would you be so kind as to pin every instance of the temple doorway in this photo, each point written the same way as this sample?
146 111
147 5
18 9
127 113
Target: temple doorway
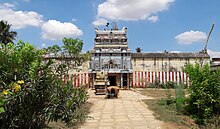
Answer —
125 81
112 80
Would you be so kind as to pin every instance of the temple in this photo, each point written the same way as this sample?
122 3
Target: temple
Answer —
112 55
127 69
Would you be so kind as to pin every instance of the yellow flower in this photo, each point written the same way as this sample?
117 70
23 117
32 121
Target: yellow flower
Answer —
5 92
17 87
21 82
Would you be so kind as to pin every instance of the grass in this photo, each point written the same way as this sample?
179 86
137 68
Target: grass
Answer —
156 93
82 114
168 114
164 107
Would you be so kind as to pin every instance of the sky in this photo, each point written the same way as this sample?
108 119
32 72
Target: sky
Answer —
153 25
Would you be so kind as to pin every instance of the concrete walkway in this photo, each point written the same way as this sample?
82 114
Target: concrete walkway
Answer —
125 112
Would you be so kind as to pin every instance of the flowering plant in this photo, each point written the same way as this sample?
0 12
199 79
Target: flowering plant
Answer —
29 99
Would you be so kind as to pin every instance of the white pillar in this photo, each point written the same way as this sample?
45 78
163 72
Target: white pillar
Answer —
121 80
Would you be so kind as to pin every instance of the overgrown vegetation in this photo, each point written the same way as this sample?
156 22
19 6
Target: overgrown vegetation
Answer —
165 110
168 106
203 102
158 84
32 93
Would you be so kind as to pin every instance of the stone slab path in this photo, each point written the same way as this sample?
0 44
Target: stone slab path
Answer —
125 112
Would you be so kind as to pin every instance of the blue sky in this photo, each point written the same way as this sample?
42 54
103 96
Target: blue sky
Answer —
153 25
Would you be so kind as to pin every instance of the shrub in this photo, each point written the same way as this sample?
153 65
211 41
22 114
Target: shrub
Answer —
170 85
151 85
32 93
204 90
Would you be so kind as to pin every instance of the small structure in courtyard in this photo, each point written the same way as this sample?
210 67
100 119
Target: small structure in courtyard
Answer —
101 85
112 91
101 82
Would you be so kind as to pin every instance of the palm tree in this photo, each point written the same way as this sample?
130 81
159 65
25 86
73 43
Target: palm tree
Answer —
6 36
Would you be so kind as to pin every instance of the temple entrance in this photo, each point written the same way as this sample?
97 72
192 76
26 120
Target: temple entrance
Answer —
112 80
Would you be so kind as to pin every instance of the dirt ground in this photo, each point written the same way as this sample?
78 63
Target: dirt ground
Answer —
155 93
158 94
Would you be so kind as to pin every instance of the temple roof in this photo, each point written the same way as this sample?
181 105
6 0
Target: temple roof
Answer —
122 31
170 55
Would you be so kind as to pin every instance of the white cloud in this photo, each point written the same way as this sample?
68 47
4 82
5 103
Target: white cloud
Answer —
52 30
131 9
7 5
43 45
20 19
153 18
74 20
190 37
100 22
55 30
213 54
175 51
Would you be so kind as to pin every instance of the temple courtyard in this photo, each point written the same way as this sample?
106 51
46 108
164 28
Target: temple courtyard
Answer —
125 112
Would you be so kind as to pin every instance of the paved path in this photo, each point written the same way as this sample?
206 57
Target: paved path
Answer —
126 112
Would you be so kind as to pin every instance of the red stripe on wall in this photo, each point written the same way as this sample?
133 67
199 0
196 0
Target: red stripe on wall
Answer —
182 77
78 79
133 83
138 79
152 75
74 80
145 79
159 77
177 76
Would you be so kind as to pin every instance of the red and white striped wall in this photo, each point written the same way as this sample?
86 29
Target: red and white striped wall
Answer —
143 78
140 78
79 79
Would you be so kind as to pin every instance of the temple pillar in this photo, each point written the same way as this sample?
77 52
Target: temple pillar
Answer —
128 80
121 80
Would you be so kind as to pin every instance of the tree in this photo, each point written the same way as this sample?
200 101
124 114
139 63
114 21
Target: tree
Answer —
87 56
72 46
204 99
6 36
72 52
54 49
32 93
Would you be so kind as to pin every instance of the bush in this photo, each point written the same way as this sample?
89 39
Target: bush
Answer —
32 93
170 85
204 90
151 85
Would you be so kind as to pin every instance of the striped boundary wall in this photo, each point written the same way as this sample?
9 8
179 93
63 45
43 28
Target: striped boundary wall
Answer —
79 79
140 78
143 78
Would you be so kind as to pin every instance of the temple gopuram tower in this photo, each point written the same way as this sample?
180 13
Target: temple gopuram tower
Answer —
112 55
